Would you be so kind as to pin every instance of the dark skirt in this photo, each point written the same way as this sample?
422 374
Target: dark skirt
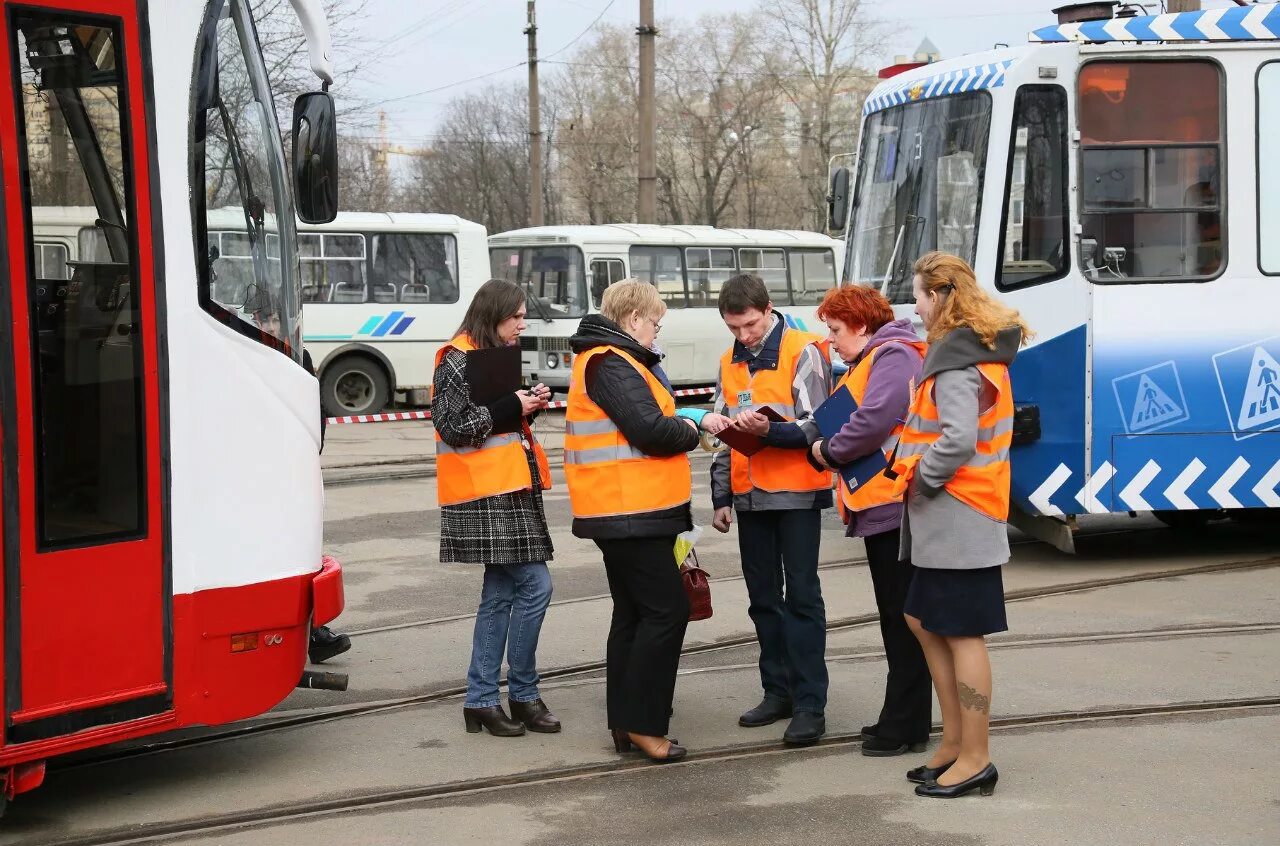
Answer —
958 603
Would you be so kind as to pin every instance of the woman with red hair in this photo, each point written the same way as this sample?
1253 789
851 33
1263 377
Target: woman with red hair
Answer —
884 357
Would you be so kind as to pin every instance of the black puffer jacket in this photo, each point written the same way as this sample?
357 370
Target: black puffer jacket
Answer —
622 393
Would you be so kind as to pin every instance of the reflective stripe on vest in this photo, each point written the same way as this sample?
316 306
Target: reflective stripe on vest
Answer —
983 482
607 476
499 465
880 489
771 469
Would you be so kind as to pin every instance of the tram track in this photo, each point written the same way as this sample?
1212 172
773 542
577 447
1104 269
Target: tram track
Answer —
293 812
582 671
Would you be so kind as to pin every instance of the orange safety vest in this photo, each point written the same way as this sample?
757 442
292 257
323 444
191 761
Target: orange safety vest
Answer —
983 482
497 466
771 469
607 476
879 490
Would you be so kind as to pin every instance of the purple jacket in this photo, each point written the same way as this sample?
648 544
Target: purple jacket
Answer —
885 402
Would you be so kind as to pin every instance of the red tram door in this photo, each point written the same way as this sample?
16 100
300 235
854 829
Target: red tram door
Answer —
87 593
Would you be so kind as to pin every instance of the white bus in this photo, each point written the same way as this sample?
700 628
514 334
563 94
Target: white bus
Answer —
567 268
381 293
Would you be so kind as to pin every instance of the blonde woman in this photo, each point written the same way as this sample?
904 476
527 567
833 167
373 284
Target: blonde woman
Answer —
953 466
630 487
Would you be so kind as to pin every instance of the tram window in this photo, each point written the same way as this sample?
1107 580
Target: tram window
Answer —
86 336
1034 233
661 267
252 283
813 273
770 266
1151 170
709 268
414 268
1268 167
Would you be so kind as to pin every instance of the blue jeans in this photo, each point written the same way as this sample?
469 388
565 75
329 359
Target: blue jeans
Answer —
513 601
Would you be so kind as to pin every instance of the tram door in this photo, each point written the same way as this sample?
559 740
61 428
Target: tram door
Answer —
87 612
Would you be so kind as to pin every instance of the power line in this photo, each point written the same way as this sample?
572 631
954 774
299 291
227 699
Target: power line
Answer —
590 26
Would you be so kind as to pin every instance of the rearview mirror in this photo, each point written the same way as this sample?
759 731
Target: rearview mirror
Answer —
315 157
838 200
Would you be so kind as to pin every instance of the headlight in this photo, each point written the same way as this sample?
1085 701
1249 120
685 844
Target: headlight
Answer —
553 360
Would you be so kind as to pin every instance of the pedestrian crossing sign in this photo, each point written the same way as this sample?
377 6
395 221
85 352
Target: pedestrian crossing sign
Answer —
1151 399
1249 377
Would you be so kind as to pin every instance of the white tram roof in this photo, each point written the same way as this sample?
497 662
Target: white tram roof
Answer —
1238 27
659 235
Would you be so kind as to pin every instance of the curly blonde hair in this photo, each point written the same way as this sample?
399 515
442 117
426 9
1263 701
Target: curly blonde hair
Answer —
964 303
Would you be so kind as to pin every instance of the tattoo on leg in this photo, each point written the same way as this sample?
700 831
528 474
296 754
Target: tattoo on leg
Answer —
971 699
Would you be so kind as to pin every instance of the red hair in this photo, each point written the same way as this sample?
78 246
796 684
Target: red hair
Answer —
856 305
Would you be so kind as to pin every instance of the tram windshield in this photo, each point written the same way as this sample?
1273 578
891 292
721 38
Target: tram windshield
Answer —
919 188
251 276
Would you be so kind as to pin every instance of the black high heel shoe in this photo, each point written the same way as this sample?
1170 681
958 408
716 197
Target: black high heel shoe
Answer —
622 743
984 782
923 775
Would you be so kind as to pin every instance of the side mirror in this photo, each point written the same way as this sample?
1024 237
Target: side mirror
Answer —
838 200
315 157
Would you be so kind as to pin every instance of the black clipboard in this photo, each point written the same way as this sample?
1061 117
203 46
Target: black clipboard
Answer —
492 372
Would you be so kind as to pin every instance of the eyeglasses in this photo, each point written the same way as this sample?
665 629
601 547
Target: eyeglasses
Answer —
657 327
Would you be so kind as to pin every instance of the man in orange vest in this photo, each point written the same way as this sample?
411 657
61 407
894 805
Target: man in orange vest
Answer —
779 497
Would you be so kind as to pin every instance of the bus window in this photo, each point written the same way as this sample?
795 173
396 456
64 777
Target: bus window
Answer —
89 422
51 261
813 273
709 269
249 285
333 268
504 263
661 267
769 265
1151 170
1034 234
1268 168
604 272
554 278
415 268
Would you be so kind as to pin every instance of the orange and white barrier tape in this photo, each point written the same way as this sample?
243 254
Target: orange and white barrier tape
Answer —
426 415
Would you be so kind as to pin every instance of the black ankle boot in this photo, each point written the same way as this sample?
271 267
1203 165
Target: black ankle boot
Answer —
769 711
494 719
806 727
535 716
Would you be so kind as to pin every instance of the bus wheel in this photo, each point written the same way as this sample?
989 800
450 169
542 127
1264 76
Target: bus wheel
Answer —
354 385
1186 520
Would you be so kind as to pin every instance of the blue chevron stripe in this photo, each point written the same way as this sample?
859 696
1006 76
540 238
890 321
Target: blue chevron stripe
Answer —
1264 25
975 78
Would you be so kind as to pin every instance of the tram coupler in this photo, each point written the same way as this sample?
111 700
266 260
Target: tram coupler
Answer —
323 681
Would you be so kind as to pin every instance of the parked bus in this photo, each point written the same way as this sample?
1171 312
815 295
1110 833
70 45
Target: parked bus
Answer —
567 268
1133 229
162 498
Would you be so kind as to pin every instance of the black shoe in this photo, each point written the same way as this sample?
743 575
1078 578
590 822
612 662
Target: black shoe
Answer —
878 746
535 716
326 643
868 732
494 719
984 782
922 775
806 727
769 711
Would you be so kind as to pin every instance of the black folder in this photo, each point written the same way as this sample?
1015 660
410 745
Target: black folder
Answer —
493 372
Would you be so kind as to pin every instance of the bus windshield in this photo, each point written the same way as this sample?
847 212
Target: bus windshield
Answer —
919 188
554 278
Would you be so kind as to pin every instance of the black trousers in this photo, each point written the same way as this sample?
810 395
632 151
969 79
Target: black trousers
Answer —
907 713
780 565
650 614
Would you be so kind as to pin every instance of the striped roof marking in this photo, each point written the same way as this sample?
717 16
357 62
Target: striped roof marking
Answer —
975 78
1239 23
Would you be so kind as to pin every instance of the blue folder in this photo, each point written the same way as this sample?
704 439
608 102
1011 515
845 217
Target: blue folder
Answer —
831 417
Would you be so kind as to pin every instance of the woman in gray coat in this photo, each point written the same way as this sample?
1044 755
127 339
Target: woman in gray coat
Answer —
953 458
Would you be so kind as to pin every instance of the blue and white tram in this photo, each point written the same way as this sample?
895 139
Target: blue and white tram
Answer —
1118 181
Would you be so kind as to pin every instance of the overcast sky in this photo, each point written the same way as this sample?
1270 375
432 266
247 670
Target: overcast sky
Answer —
431 47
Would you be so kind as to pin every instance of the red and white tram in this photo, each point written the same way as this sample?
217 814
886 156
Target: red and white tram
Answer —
160 485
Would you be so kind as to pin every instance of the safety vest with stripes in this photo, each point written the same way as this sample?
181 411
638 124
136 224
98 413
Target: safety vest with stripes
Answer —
879 489
771 469
607 476
983 482
499 465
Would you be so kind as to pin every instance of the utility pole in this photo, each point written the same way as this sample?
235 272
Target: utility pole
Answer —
535 125
647 205
1183 6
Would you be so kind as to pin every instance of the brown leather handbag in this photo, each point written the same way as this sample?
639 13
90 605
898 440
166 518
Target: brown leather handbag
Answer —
697 586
